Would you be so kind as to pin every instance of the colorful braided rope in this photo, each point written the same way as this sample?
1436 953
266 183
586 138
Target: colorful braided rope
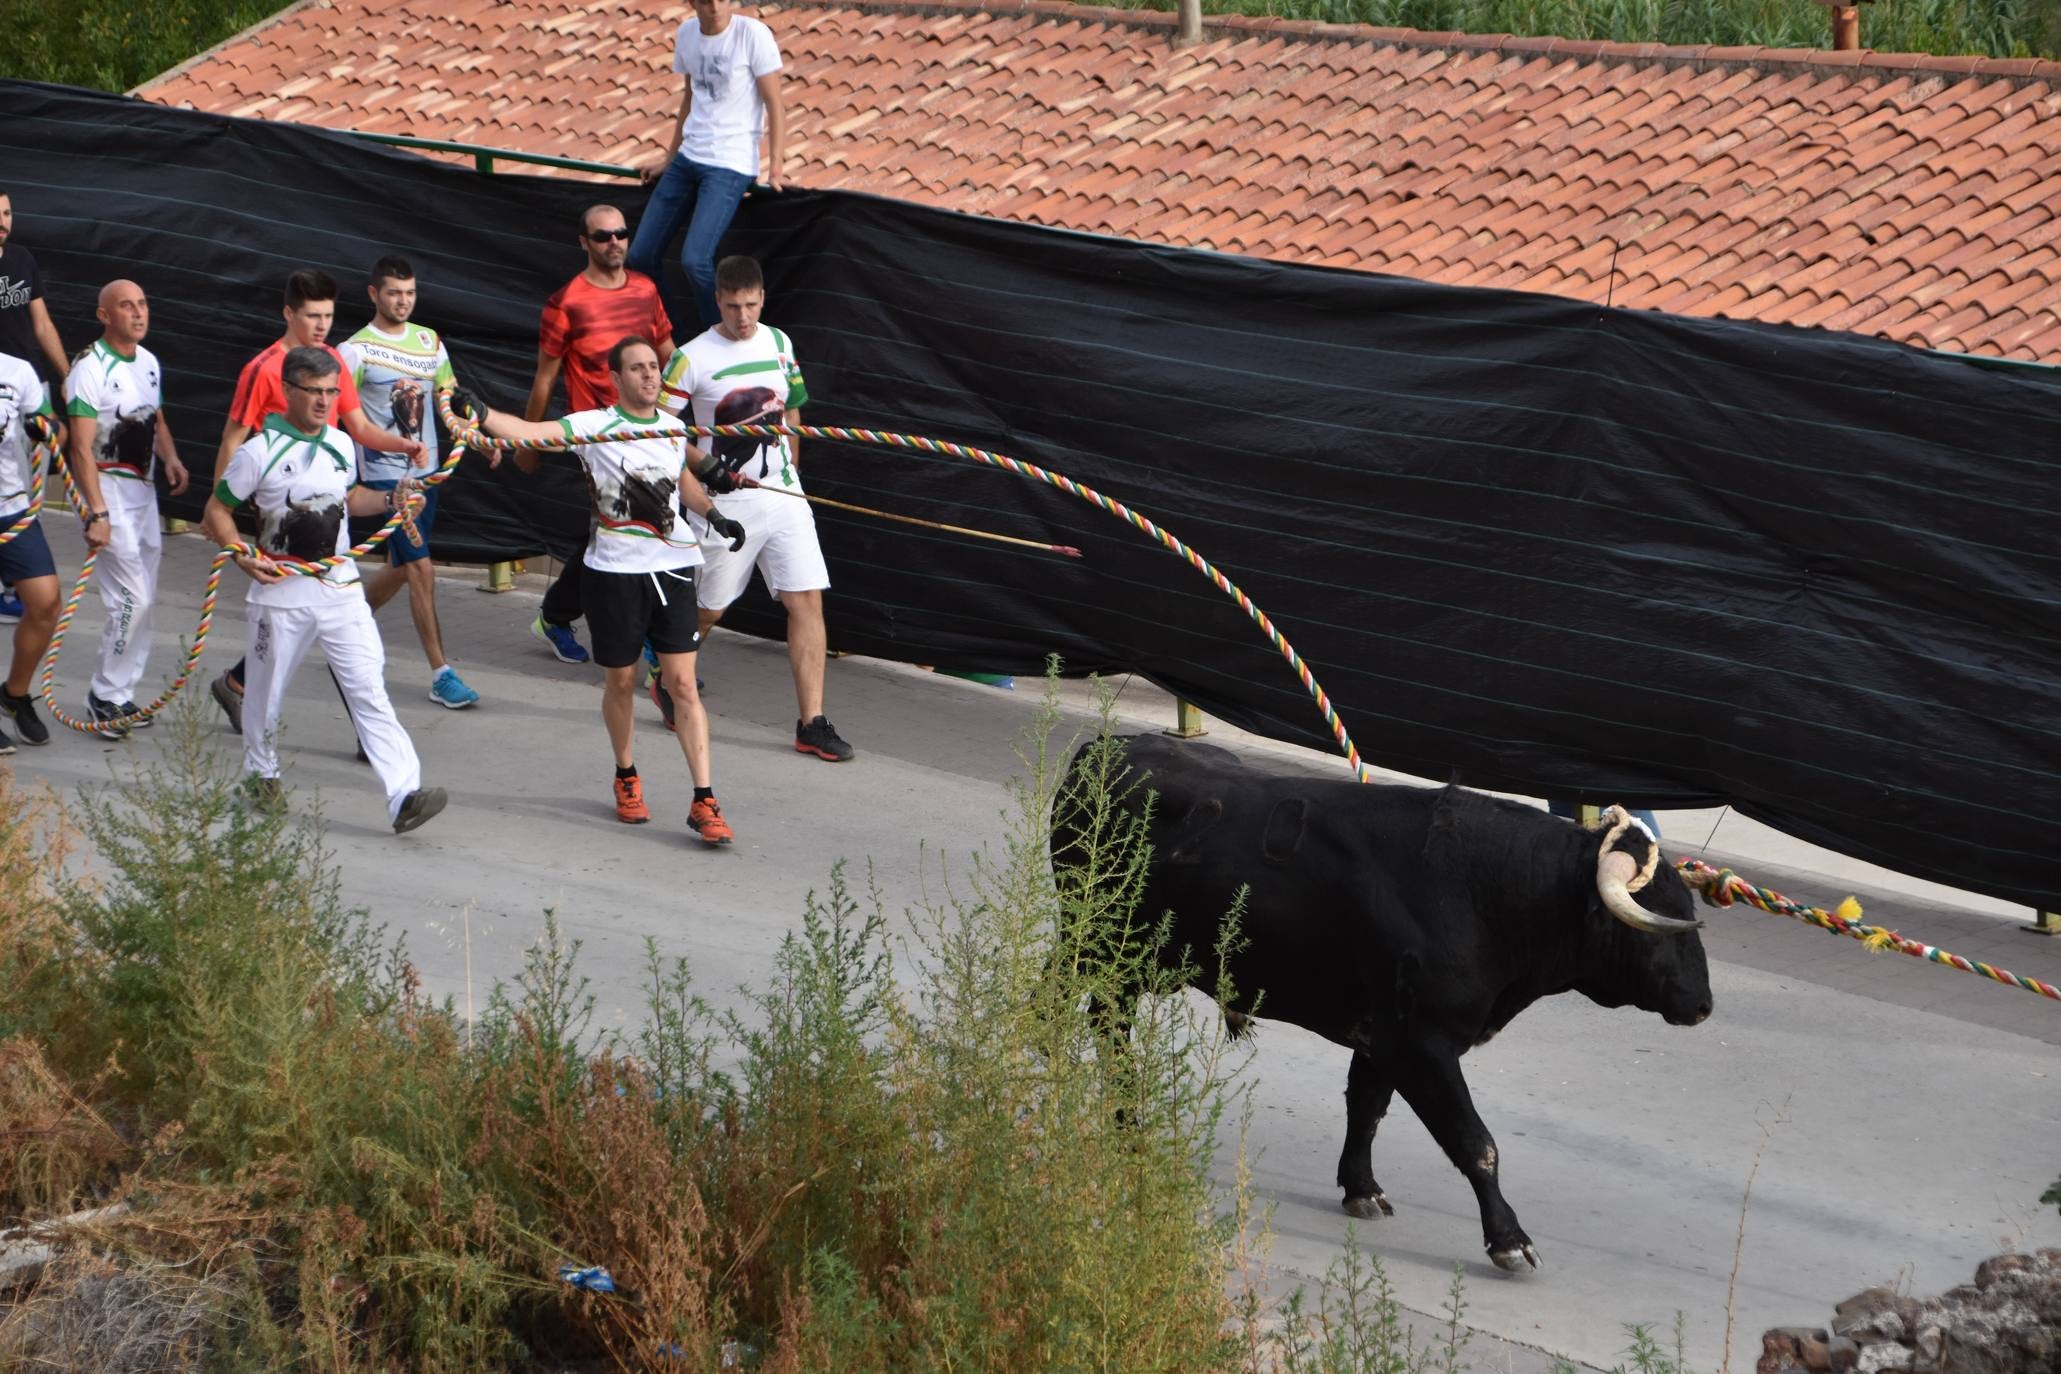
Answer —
43 451
1723 887
223 557
1011 465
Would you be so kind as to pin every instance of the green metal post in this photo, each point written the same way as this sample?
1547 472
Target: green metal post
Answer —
500 578
484 162
1187 720
2046 923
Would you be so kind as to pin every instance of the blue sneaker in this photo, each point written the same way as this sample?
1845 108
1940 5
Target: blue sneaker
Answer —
565 645
10 608
447 690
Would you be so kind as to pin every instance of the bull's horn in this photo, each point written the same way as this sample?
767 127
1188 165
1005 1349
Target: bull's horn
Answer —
1614 870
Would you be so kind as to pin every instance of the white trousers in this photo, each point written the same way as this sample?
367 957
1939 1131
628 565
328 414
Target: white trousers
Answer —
342 627
127 576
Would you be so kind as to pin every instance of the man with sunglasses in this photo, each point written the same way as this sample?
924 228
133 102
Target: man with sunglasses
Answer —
582 321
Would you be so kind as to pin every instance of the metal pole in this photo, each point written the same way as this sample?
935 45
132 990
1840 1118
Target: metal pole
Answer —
1189 31
1187 720
2046 923
500 578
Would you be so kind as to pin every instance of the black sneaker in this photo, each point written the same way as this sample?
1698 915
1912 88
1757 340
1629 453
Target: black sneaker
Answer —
27 723
229 699
6 743
417 807
820 737
125 714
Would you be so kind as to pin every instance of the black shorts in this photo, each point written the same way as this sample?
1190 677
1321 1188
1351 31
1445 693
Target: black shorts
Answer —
625 609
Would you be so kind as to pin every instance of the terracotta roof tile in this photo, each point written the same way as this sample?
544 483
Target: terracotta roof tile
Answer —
1889 193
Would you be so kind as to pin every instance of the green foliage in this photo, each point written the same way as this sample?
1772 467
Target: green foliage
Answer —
1645 1355
117 46
1997 28
1358 1327
985 1146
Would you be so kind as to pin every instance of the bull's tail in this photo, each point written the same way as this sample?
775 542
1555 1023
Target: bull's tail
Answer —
1237 1023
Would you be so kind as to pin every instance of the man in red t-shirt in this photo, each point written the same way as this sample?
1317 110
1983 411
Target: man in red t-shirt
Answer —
261 392
582 321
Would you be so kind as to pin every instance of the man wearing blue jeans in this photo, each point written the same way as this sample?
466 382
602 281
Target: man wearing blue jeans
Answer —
730 72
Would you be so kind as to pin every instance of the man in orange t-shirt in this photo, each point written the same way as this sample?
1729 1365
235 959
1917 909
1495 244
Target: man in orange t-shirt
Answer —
261 392
582 321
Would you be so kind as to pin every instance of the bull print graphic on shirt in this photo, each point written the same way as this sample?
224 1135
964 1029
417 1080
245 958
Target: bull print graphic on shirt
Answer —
306 527
640 502
748 405
408 403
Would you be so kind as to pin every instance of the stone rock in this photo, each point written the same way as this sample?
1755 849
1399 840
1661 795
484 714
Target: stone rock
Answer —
1777 1353
1842 1353
1990 1270
1930 1343
1877 1358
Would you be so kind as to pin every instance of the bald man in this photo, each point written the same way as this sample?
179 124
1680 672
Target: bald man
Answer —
114 398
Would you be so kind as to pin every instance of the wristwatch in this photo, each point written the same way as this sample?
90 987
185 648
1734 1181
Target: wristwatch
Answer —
92 516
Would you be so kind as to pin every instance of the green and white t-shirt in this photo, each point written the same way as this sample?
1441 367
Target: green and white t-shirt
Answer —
635 483
750 381
297 483
122 396
397 378
22 394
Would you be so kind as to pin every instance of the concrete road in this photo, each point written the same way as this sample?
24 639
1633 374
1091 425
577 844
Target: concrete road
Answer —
1897 1120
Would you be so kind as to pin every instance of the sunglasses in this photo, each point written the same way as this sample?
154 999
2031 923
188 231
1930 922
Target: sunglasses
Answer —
317 390
604 235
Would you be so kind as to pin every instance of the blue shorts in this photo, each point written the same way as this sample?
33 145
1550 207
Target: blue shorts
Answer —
399 548
27 555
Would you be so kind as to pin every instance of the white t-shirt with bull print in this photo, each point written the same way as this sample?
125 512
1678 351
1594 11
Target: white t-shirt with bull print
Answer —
635 485
296 483
753 381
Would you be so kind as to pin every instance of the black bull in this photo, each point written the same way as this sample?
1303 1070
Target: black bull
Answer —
1408 924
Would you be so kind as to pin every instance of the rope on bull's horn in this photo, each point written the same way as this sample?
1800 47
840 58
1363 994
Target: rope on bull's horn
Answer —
1015 466
405 516
1722 887
1620 820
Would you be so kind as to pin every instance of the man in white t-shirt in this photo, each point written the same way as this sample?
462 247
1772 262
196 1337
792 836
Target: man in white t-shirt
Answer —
298 473
729 67
115 402
743 371
26 428
641 564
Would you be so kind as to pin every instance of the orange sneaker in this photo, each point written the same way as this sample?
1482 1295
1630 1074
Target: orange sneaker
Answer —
629 801
705 818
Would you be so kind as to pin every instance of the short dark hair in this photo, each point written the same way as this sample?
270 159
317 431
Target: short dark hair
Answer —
309 284
739 273
305 362
392 266
588 214
624 345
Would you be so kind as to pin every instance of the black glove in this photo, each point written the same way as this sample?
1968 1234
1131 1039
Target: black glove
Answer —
717 478
724 527
466 404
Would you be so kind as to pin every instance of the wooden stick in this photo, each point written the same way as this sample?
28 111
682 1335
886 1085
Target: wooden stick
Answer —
1067 550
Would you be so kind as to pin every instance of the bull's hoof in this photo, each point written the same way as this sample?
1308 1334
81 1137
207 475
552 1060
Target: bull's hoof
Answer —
1508 1259
1370 1207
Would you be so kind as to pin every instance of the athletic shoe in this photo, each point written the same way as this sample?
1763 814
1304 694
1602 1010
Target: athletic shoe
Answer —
705 818
447 690
6 743
10 608
417 807
662 699
229 698
820 737
565 645
27 723
117 713
629 801
267 794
